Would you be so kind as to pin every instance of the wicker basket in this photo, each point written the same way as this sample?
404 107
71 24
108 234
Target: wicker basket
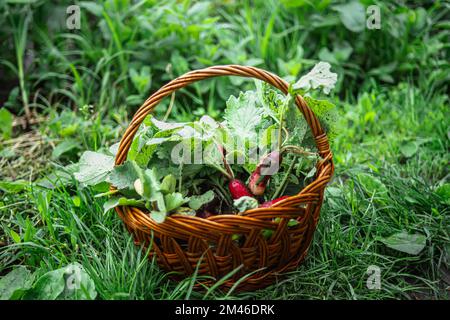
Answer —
181 241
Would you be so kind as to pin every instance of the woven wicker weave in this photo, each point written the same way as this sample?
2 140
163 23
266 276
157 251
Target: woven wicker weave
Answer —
181 241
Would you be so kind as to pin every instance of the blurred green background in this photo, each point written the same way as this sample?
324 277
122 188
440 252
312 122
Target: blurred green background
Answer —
64 91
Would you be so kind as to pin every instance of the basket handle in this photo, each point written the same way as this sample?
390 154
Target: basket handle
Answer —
215 71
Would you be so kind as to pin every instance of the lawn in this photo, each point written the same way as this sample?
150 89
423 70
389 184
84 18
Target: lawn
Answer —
68 87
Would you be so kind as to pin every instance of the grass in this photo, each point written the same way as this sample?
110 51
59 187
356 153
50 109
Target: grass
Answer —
78 90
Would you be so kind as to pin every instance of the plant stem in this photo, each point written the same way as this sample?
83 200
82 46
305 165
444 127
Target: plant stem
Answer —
285 178
169 109
283 110
297 150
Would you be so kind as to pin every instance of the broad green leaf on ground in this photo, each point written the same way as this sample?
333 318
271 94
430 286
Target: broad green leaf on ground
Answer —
6 121
198 201
372 184
63 147
320 77
14 284
404 242
13 186
124 176
94 167
245 203
47 287
69 282
409 148
79 285
121 201
352 15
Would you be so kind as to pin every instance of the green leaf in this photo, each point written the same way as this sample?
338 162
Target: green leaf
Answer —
124 176
151 188
13 186
92 7
151 135
63 147
15 236
94 168
6 121
141 80
121 201
174 201
444 192
404 242
295 3
320 77
47 287
245 203
158 216
169 184
197 202
14 284
150 184
76 201
372 184
78 284
352 15
242 115
409 149
70 282
327 114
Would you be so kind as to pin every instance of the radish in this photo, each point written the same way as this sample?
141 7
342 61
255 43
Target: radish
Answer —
238 189
272 202
259 178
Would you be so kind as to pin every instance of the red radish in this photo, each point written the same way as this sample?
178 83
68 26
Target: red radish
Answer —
259 178
272 202
238 189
